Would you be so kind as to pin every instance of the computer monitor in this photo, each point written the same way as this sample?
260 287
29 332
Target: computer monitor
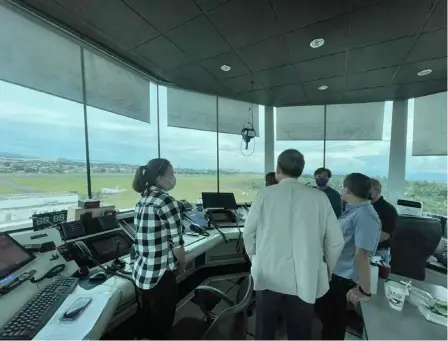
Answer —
108 247
219 200
13 256
108 222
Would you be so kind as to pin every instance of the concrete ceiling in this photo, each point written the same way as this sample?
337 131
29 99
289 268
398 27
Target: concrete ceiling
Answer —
373 49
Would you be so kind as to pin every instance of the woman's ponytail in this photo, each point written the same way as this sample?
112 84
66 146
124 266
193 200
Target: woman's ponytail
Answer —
139 183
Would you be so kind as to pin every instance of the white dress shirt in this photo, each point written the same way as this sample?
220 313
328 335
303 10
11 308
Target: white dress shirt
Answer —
289 230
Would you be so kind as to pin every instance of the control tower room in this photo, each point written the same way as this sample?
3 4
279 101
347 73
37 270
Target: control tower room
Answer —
223 169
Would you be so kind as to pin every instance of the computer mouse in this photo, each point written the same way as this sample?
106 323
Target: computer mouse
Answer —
98 276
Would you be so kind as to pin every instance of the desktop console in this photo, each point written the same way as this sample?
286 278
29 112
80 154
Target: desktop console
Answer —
40 269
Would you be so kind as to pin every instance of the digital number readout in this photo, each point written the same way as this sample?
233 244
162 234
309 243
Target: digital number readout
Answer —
49 219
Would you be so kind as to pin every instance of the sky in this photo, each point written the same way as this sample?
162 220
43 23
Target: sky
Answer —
44 126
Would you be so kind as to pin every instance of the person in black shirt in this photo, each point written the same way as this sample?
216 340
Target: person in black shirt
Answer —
388 216
322 176
270 179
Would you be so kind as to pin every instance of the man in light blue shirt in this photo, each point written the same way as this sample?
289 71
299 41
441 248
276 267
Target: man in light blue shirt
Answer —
361 228
359 224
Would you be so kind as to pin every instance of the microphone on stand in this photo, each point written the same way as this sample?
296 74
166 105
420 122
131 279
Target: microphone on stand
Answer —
118 263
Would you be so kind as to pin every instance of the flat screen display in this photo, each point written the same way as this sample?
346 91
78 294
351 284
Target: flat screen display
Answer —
409 203
12 256
220 216
92 225
105 247
219 200
108 222
73 229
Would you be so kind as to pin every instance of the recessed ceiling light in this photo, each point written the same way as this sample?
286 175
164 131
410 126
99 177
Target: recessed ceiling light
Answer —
424 72
316 43
323 87
225 68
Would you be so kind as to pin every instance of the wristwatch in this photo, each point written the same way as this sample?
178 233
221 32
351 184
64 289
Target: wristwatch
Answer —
363 292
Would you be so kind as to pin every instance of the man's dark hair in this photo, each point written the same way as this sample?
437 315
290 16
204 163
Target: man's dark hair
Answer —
359 184
291 163
270 179
321 170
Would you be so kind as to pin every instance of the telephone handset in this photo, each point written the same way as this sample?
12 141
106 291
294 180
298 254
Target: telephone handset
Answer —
199 229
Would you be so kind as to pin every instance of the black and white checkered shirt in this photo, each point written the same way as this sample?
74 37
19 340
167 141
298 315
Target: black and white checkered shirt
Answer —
158 229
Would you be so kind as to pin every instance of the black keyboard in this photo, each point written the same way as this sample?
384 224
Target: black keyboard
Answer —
35 314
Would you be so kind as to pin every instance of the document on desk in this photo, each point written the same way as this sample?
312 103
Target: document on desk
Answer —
79 328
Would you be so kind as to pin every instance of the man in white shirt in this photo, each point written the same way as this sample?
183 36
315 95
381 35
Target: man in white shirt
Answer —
293 239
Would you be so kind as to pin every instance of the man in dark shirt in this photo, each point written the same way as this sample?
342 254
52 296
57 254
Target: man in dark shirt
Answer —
322 176
388 216
270 179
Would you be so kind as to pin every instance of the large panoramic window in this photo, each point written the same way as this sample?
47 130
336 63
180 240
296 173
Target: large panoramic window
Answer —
42 139
426 175
118 145
302 128
358 141
188 140
122 125
42 154
241 166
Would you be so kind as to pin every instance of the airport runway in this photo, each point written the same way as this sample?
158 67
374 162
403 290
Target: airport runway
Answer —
21 189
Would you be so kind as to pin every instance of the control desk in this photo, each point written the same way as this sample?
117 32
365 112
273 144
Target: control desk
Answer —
83 252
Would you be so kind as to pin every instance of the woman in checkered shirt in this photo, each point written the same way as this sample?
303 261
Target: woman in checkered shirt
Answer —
159 251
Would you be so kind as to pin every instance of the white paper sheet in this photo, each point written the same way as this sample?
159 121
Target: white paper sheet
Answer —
78 329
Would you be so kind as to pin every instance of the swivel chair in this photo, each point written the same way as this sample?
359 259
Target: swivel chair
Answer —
230 324
414 240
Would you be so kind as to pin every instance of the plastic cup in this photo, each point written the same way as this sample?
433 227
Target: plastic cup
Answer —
396 294
384 271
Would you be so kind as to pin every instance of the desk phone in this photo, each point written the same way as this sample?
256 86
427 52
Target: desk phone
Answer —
222 218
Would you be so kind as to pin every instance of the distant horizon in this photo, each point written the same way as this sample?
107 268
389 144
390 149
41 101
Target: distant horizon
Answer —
420 176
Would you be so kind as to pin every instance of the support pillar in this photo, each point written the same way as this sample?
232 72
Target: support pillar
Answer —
397 155
269 140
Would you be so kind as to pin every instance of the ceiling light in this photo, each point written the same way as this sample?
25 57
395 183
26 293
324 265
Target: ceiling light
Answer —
316 43
424 72
225 68
323 87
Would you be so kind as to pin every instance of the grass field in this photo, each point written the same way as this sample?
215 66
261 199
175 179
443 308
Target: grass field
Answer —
190 187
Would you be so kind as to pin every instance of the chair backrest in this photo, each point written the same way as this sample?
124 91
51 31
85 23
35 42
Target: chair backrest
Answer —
414 240
231 324
243 289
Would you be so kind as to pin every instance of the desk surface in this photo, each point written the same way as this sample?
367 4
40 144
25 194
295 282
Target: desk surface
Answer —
121 289
383 323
